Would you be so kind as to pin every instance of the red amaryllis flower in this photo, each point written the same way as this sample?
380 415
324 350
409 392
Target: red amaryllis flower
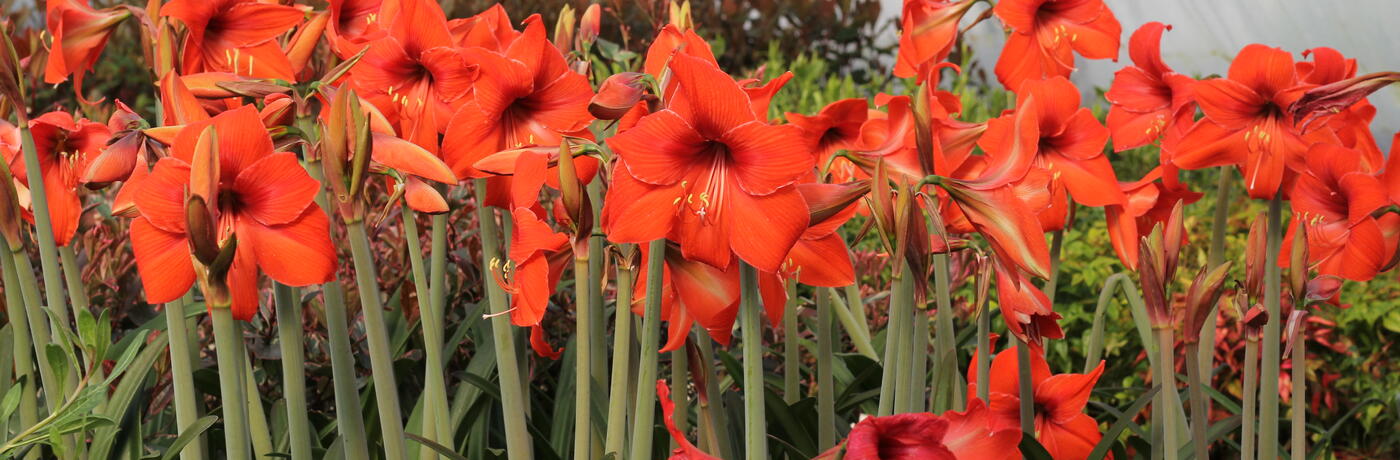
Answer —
1148 98
1046 33
1247 123
820 257
971 434
684 450
79 35
1335 199
353 23
694 292
66 148
928 30
707 173
235 36
1027 310
535 250
1149 202
1070 142
835 127
1060 422
524 97
258 198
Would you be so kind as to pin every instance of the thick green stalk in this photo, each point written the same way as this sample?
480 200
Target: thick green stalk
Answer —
226 343
23 356
518 445
918 361
645 407
435 408
1057 239
258 431
1200 419
43 227
855 327
1268 371
583 360
349 421
597 242
680 379
1027 391
984 351
751 327
792 357
289 338
857 309
39 329
718 417
1298 449
616 440
895 333
826 384
1095 340
1219 226
1249 409
73 278
946 388
386 393
1170 439
182 375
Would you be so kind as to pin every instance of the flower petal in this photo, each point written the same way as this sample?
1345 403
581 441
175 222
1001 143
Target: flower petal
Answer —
275 190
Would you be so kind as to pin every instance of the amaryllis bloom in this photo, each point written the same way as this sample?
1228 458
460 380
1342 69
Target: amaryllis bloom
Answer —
1060 422
66 148
707 173
694 292
525 97
237 36
1352 122
1070 142
1149 202
353 23
1247 123
971 434
928 30
80 32
1046 33
1335 199
1027 310
835 127
538 255
1148 98
259 200
129 145
820 257
685 450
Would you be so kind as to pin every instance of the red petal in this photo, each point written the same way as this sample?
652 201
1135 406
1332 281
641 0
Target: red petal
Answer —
163 260
275 190
422 197
408 157
762 229
1064 396
1145 48
636 212
709 99
766 157
298 253
823 261
1229 103
661 149
161 197
1264 69
541 346
243 283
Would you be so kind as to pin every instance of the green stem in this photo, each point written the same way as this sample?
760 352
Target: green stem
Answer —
1026 390
73 278
289 338
1057 239
897 329
1167 377
945 343
583 361
792 358
680 367
1249 409
645 407
435 425
386 393
39 329
349 420
1298 449
616 441
1219 226
717 415
226 340
1268 382
182 375
751 327
855 327
23 356
1095 349
917 355
258 431
826 384
597 242
984 350
857 310
1200 419
43 227
518 445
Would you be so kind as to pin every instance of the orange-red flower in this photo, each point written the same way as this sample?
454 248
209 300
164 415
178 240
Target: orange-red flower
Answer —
837 126
259 198
1027 310
820 257
928 30
1247 123
66 148
1149 202
525 97
971 434
1335 198
80 32
237 36
1046 33
694 292
1148 99
539 255
708 173
1060 422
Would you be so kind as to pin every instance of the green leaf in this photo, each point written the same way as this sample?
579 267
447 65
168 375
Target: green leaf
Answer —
1111 436
59 360
11 400
441 449
188 435
1032 450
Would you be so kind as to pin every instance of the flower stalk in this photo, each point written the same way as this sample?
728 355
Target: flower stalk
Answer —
518 445
826 384
182 375
435 425
645 406
792 358
386 392
751 326
289 338
226 343
1269 355
615 442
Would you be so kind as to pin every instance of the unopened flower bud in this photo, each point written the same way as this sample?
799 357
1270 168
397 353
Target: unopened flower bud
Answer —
618 94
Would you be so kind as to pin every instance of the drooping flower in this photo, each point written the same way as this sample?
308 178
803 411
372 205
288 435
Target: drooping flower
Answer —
1027 310
707 173
971 434
224 188
236 36
1046 34
684 450
1148 99
694 292
80 32
820 257
929 28
66 147
1060 422
535 252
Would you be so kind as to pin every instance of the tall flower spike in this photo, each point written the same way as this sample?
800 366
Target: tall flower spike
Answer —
1201 298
